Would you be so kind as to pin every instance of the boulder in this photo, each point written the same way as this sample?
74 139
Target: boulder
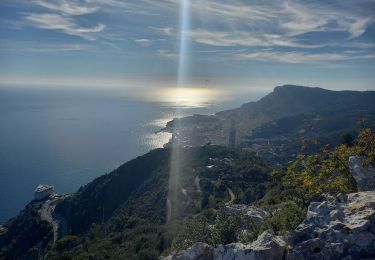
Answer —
364 176
337 227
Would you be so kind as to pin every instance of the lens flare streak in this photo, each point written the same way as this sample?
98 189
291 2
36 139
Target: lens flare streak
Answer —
176 160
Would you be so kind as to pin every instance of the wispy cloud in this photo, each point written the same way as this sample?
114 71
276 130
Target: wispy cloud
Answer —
65 24
144 42
293 31
37 46
67 7
274 23
167 55
303 57
244 38
168 31
63 16
359 27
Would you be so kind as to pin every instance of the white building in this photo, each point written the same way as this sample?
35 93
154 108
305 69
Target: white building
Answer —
43 191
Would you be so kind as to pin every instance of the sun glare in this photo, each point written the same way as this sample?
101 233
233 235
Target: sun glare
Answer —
191 97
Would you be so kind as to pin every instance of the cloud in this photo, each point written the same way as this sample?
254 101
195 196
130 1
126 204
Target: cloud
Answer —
169 31
65 24
57 48
63 15
144 42
359 27
298 19
167 55
295 57
244 38
256 23
37 46
70 8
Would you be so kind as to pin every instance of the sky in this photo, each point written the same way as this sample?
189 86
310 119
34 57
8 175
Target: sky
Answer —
231 44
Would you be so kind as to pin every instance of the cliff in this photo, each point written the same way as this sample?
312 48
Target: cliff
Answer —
338 227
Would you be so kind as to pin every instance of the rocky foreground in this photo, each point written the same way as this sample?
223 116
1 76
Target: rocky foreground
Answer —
338 227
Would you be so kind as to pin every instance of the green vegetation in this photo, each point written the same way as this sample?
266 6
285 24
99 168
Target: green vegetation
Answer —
280 139
285 193
27 235
122 215
328 171
134 224
224 228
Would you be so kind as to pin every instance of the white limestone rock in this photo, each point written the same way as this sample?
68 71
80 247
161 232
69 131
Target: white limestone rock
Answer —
336 228
364 176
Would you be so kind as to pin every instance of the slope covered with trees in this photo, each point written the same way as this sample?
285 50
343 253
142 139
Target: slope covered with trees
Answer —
137 226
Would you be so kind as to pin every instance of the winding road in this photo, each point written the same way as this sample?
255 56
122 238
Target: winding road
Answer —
47 213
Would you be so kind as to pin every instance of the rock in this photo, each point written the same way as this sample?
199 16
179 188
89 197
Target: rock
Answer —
364 176
266 247
256 214
199 251
339 227
336 228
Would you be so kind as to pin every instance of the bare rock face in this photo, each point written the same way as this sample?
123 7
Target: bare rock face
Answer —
364 176
339 227
266 247
199 251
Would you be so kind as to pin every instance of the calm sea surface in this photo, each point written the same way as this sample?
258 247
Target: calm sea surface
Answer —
68 138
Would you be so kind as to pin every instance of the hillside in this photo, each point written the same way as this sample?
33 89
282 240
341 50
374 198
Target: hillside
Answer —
132 200
224 195
274 126
221 194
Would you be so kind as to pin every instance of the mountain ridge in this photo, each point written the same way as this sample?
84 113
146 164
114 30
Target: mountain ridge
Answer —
236 127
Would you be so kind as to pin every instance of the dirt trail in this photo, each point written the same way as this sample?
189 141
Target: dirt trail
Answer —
232 197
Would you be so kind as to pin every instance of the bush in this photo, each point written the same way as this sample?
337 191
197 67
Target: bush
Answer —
285 216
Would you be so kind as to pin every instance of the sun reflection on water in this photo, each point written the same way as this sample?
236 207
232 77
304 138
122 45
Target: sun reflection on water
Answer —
189 97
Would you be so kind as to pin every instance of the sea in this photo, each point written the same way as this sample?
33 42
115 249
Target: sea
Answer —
67 138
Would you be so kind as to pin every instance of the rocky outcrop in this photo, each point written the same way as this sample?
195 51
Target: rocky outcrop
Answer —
267 247
364 176
199 251
339 227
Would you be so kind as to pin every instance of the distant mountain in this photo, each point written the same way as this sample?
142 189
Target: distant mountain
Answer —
308 110
291 100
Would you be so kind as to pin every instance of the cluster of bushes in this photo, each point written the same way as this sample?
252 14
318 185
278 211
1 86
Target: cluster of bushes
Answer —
328 171
310 176
27 235
214 227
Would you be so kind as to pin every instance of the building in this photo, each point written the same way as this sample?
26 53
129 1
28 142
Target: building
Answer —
43 191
